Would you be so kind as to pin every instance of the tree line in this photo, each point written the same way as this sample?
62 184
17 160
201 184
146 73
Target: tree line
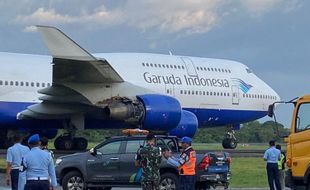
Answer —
252 132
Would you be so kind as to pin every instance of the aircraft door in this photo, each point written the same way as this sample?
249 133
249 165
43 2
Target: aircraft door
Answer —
190 67
235 94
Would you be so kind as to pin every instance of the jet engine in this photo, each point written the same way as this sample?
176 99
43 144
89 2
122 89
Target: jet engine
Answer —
151 111
187 126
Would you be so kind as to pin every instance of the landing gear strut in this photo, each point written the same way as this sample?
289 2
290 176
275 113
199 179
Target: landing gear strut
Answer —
230 140
68 141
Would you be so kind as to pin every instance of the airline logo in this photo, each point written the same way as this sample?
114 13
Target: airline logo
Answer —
242 85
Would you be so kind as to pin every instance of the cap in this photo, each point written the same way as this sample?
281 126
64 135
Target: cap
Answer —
186 140
34 138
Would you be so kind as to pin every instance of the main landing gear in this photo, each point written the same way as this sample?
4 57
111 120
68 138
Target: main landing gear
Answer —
68 141
230 140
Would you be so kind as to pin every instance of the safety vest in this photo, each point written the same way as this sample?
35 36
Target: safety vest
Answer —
280 162
188 168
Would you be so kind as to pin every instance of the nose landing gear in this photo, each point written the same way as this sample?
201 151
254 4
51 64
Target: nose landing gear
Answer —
230 140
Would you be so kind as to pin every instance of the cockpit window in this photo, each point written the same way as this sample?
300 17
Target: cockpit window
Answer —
248 70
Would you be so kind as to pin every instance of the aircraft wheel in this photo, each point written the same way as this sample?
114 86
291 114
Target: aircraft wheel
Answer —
80 143
64 143
233 144
229 143
225 143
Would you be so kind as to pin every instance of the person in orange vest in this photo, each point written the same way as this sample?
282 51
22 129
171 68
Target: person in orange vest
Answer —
186 164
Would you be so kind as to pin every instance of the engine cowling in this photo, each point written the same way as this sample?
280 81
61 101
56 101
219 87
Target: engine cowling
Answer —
152 111
162 112
187 126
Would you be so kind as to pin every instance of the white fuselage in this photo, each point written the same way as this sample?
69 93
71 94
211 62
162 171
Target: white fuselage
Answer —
198 83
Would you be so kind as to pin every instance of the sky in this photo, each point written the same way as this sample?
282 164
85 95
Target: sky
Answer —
269 36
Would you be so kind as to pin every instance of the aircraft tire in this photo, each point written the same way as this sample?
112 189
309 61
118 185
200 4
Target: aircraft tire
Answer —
64 143
232 144
229 143
225 143
80 143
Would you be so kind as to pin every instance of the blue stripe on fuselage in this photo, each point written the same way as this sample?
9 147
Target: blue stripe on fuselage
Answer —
206 118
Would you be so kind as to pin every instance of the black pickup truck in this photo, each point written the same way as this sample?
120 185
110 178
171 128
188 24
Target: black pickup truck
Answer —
111 164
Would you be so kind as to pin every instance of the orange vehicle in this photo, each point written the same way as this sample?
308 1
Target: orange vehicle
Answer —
298 144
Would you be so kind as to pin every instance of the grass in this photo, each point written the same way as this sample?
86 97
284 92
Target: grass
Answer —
241 146
246 172
2 163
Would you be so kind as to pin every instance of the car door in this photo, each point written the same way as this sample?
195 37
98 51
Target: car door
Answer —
130 174
104 166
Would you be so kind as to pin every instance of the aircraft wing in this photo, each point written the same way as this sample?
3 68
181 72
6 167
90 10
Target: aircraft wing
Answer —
74 64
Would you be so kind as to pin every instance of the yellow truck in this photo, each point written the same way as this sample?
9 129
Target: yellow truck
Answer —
298 144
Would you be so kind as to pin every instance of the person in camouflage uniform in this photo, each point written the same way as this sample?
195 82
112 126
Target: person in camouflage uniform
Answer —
149 159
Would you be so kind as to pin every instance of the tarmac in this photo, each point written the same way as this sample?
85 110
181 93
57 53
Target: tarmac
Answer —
3 186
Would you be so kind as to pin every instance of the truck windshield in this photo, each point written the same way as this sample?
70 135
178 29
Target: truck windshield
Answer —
303 117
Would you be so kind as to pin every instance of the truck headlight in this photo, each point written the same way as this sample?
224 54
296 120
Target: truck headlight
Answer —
58 160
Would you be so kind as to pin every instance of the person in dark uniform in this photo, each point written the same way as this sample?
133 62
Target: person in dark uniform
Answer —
186 164
39 167
272 156
14 158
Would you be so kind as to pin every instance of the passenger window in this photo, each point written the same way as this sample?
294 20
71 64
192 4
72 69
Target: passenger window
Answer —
32 84
43 84
134 145
111 148
11 83
27 83
6 83
22 83
38 84
16 83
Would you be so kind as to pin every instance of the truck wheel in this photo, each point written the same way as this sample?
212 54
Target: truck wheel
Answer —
73 181
169 181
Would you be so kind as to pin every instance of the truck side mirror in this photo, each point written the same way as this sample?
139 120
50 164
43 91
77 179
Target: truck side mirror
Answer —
271 110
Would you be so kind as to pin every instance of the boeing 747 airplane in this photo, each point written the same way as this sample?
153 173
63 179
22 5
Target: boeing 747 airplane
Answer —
173 94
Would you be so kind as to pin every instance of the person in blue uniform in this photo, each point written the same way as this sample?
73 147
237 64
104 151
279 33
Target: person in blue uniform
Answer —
14 158
39 167
272 156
